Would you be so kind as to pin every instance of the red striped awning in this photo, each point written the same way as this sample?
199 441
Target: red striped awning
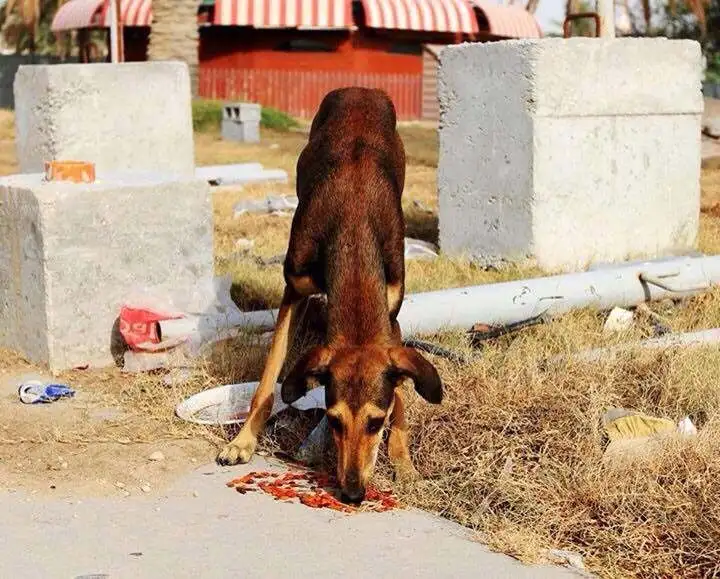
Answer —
132 13
421 15
508 21
321 14
77 14
94 14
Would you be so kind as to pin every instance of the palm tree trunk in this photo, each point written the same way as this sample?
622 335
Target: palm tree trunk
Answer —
174 34
532 6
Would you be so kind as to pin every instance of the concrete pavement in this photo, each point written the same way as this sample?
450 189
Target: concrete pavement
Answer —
201 528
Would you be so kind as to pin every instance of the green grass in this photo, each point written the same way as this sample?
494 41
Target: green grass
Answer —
207 117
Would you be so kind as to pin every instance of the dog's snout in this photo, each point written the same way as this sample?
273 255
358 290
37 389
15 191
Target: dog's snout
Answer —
353 490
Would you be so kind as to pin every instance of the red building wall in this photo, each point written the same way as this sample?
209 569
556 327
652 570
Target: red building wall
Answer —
293 70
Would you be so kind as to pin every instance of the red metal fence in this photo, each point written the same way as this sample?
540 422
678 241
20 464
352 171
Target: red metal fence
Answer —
299 92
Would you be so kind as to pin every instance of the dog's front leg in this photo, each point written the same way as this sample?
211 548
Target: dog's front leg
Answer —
242 447
398 441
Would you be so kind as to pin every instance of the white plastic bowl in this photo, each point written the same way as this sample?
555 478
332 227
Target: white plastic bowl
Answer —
230 404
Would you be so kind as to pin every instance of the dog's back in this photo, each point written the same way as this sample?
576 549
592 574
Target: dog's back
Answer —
350 179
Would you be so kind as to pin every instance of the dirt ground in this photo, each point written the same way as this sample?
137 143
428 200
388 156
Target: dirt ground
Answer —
515 452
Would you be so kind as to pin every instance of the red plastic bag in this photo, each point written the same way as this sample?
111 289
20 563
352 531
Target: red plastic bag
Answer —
140 329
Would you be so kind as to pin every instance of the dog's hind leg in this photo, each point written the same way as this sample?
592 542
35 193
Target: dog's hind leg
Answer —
242 447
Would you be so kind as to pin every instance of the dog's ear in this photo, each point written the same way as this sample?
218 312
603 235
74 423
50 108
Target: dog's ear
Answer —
407 362
313 364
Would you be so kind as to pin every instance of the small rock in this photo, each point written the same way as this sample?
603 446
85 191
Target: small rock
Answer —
196 494
619 320
156 456
120 485
571 558
63 465
145 488
274 146
193 460
711 127
126 493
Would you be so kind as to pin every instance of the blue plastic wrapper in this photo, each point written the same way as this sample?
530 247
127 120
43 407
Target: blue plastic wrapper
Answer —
35 392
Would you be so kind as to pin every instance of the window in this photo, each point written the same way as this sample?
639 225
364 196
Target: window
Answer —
304 45
405 48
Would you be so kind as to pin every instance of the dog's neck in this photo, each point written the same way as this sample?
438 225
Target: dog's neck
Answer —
357 299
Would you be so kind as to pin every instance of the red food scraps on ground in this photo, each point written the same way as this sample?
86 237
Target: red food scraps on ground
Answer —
311 489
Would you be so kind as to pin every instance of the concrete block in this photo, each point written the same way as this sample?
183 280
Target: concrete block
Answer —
72 254
569 151
242 112
122 117
241 131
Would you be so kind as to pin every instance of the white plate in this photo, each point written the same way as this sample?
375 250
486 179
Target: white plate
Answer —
230 404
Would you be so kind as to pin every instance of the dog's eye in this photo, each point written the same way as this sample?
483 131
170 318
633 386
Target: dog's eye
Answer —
334 423
374 425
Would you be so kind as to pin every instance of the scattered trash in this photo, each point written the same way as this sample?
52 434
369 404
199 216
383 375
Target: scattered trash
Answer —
230 404
139 328
312 489
271 204
482 332
711 128
156 456
622 424
435 350
239 174
702 338
155 345
72 171
38 392
686 427
312 450
619 320
177 376
243 244
570 558
419 249
632 433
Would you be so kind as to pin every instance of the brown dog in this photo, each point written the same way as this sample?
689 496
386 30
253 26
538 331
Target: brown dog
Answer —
347 241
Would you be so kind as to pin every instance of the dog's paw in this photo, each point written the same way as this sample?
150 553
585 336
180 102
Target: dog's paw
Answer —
236 453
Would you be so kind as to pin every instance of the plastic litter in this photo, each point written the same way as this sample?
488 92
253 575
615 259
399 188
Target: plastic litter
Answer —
271 204
619 320
230 404
634 434
419 249
239 174
700 339
313 448
38 392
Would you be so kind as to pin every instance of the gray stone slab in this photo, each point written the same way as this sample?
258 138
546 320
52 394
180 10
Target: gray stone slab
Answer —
71 255
122 117
569 151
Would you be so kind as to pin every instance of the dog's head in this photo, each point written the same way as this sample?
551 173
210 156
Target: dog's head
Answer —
360 387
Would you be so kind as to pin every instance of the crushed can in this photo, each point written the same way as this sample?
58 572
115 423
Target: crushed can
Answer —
37 392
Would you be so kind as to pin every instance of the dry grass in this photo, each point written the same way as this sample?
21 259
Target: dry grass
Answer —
516 449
